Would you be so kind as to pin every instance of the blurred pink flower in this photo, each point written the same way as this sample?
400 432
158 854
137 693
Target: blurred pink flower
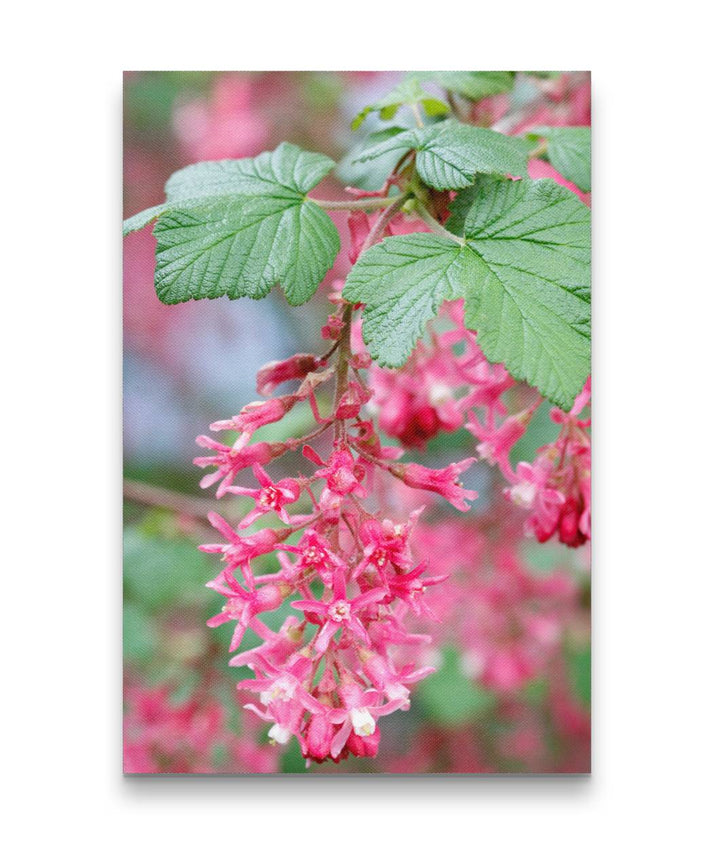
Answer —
228 125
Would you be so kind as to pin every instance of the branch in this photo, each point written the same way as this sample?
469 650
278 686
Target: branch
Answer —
160 497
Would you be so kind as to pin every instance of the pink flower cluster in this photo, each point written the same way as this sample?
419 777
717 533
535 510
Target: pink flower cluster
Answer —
507 620
333 668
450 384
438 385
162 736
555 487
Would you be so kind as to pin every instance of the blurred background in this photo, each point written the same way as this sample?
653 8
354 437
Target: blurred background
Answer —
512 642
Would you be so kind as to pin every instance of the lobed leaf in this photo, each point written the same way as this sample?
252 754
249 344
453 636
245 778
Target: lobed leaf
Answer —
403 281
531 307
239 227
450 154
242 248
523 267
287 171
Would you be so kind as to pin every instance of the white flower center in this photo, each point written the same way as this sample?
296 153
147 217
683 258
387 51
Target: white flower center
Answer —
362 722
269 497
283 688
439 394
339 611
279 734
396 691
523 494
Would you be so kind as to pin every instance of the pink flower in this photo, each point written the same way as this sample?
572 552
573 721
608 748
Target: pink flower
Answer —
417 401
496 442
359 226
393 684
238 552
408 587
316 555
342 472
285 684
271 496
230 461
339 613
317 741
333 328
444 481
359 714
279 371
276 647
254 416
386 544
352 401
556 486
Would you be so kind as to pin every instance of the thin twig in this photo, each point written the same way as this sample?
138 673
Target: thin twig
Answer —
161 497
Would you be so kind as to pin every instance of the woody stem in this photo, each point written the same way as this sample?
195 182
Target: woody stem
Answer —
344 348
341 368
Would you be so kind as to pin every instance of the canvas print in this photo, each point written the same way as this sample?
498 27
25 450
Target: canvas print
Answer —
357 422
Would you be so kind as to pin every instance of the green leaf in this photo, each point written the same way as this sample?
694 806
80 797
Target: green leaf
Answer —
285 172
403 281
407 93
370 175
450 697
523 267
450 154
531 304
568 150
473 85
242 248
239 227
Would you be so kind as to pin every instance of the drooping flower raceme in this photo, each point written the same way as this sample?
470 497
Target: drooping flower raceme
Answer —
339 663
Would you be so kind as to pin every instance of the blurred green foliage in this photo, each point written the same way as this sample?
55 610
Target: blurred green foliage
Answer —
161 571
449 697
579 671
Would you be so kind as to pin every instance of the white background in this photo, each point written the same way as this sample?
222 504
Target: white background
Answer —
653 787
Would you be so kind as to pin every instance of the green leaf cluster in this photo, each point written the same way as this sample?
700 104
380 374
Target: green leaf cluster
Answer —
239 227
408 93
472 85
517 252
